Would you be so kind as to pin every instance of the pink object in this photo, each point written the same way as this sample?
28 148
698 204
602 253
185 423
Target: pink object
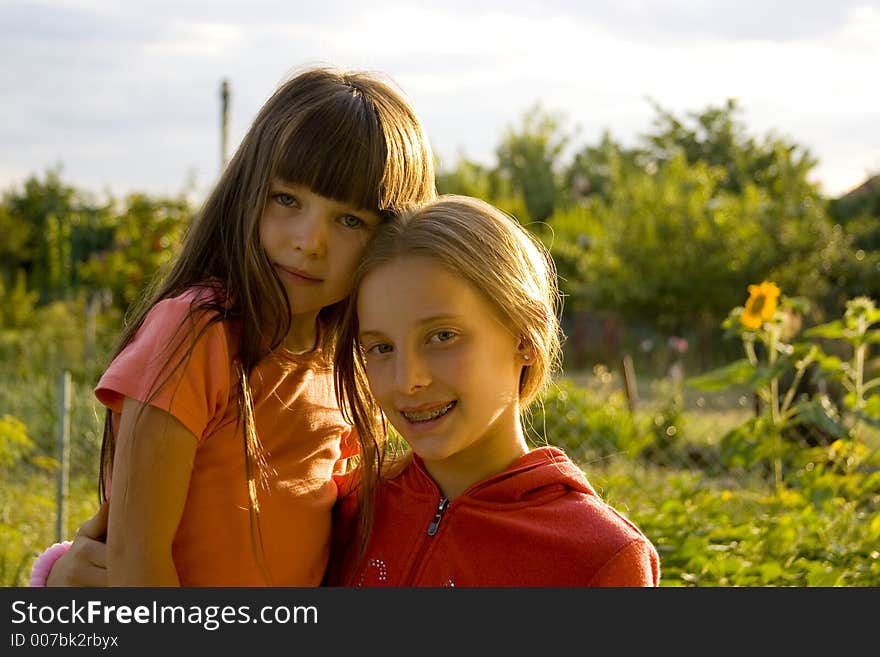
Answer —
43 564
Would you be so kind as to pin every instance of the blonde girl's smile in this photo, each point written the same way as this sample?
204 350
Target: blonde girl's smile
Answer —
432 412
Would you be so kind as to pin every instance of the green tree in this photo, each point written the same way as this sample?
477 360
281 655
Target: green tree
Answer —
675 230
668 246
718 137
41 215
51 228
145 236
589 174
528 157
473 179
858 203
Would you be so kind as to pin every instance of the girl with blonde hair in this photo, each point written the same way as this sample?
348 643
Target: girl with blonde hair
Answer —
451 333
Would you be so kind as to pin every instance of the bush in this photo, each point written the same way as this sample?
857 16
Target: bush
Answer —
583 422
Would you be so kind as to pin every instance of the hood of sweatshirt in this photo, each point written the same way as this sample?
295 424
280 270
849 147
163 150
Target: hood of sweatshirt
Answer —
538 476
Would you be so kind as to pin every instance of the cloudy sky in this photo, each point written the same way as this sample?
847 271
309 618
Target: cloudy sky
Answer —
124 94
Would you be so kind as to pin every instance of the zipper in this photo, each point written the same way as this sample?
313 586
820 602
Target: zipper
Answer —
423 548
438 516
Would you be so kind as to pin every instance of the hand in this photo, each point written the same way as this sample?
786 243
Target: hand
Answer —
85 563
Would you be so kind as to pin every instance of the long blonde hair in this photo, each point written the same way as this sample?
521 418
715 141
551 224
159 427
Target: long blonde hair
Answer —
501 259
350 136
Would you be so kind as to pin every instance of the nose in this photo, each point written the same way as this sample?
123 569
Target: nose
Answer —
309 233
411 372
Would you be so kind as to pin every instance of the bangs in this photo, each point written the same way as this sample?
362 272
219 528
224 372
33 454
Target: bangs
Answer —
338 151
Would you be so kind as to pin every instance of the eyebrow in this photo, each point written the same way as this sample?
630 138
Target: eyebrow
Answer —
427 320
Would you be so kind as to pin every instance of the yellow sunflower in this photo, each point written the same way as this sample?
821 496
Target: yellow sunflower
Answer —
760 305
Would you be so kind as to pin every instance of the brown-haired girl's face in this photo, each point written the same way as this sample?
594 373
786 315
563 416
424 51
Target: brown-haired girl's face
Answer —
440 363
314 243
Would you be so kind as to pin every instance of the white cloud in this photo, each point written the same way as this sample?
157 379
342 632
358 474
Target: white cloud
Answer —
126 94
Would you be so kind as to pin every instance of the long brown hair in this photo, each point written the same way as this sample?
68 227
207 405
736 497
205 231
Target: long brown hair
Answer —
351 136
501 259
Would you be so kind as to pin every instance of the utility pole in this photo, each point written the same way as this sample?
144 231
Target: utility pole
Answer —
224 123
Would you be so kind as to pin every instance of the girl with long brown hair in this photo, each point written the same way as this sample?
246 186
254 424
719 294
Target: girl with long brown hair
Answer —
223 428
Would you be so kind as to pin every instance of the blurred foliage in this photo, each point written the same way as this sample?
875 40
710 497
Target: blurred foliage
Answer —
670 232
665 235
529 159
716 520
145 235
60 242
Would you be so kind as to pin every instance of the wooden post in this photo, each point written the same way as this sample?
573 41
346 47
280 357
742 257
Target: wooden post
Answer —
64 386
629 383
224 124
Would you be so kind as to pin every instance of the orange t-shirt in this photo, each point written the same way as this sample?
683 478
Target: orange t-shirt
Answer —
298 422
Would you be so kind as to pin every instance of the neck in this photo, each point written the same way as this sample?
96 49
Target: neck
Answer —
303 333
458 472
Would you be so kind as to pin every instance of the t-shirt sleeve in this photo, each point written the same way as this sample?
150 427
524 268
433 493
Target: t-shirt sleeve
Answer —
156 367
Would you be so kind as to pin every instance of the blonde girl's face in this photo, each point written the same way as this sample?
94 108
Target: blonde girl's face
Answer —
441 364
314 243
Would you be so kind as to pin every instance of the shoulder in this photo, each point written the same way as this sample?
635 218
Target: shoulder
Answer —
201 304
186 318
590 511
176 331
618 550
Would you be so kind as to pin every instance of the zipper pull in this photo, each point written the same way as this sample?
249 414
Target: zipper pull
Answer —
435 523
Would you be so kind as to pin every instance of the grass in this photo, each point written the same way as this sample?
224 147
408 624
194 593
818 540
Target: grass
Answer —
28 517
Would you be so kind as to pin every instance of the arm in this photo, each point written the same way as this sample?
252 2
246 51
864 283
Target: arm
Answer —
85 563
152 465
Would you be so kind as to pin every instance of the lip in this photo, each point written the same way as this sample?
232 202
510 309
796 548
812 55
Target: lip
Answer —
425 425
297 274
421 408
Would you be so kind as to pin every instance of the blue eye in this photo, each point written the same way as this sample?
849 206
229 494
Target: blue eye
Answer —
285 200
350 221
442 336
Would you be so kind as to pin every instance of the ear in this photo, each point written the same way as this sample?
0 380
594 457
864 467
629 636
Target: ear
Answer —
526 352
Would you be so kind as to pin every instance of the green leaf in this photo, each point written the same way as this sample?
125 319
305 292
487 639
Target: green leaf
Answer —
822 575
874 527
763 375
812 412
771 571
830 363
801 350
872 406
870 412
867 419
736 373
834 330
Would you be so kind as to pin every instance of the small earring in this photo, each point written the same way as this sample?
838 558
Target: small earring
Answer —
526 356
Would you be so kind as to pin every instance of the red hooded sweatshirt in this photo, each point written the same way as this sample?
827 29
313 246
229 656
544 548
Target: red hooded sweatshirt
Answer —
538 523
